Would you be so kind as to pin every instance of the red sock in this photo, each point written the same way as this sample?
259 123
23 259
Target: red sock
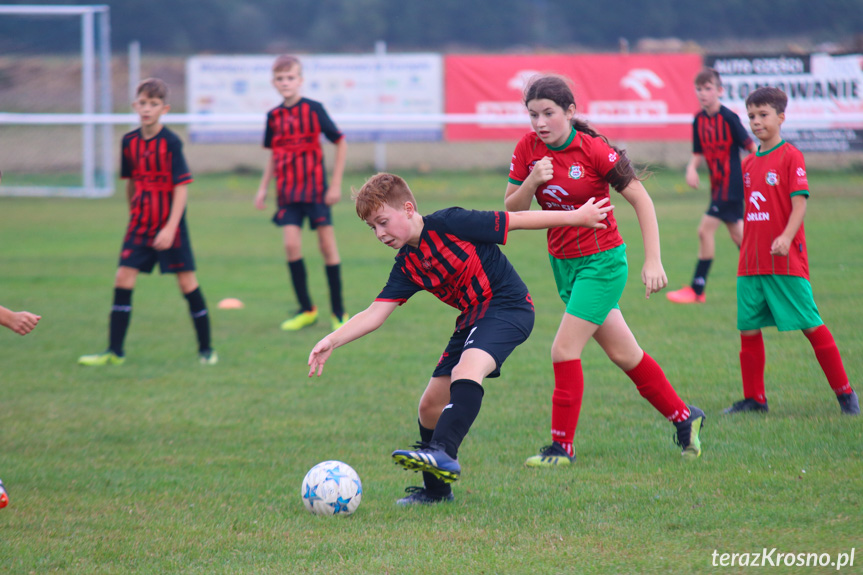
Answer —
828 357
752 361
655 388
566 402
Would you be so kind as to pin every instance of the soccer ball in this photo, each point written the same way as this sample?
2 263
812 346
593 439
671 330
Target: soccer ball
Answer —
332 488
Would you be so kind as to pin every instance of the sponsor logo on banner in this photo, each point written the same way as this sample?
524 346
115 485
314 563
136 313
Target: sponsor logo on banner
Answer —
821 89
633 94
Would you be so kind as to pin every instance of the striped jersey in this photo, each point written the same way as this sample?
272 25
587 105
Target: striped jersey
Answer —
580 167
720 138
155 166
293 133
770 179
458 260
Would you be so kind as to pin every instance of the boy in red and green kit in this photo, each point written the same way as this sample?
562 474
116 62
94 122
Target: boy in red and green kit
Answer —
773 274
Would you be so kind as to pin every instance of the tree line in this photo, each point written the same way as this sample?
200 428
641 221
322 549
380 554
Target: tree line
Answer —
183 27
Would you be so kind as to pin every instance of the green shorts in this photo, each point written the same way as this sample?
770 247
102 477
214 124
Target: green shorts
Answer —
783 301
591 286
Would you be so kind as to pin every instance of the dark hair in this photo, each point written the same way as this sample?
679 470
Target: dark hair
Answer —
768 96
556 88
708 75
153 88
286 62
379 190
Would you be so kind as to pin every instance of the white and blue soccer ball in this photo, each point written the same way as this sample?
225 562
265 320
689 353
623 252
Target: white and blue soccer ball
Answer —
332 488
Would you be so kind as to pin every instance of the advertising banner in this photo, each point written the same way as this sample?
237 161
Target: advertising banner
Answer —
626 96
346 85
825 95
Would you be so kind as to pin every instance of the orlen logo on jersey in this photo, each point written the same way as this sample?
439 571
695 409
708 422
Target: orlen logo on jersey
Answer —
555 193
755 198
772 178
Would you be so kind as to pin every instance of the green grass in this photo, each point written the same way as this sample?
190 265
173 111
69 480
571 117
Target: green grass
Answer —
163 466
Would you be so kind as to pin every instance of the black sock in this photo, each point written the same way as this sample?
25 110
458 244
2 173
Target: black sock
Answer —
334 279
432 484
465 399
699 280
200 317
301 285
118 325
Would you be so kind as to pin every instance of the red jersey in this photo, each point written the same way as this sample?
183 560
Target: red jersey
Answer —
155 166
580 166
294 135
769 180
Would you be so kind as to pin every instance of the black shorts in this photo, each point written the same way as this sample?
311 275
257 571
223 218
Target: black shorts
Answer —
141 256
294 214
728 211
498 334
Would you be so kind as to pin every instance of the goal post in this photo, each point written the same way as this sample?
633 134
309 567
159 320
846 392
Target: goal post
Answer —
85 168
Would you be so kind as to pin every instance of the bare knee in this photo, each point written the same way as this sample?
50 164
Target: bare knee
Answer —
327 245
187 281
293 243
125 277
429 411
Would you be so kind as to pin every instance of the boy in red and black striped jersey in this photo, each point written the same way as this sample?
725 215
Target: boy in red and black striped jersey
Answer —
453 254
718 136
773 274
156 186
293 134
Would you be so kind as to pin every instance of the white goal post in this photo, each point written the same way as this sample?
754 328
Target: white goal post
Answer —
97 163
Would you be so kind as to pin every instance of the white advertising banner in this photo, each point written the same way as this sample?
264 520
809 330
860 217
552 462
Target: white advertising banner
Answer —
345 84
825 95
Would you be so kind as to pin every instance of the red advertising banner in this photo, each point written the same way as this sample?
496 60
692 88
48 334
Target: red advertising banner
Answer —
621 90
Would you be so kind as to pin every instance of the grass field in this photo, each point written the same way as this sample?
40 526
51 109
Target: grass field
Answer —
165 466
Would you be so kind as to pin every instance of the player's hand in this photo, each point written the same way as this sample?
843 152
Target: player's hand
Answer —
592 213
780 246
692 179
260 199
542 171
23 322
333 195
165 238
654 278
319 356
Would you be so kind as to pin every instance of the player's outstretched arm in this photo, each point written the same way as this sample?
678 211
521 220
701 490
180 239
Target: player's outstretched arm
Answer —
519 197
361 324
590 215
21 322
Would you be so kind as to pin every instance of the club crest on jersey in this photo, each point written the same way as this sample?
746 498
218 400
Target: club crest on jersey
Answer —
772 178
426 265
576 171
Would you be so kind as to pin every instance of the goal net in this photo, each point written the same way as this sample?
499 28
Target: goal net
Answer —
54 81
